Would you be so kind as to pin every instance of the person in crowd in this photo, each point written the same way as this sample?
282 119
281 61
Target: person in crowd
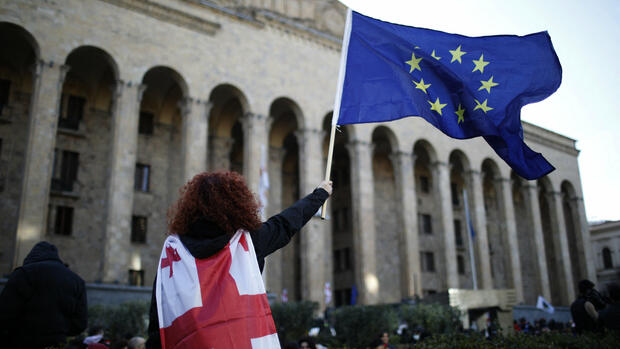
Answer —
136 343
95 335
290 345
306 343
610 316
524 326
43 301
384 341
419 334
583 310
214 207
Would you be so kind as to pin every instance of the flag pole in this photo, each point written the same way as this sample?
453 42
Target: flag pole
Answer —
336 112
328 168
472 258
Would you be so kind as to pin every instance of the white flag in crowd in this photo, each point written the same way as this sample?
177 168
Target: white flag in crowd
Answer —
263 184
328 293
542 304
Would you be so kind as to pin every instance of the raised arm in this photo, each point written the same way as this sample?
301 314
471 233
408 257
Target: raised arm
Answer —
278 230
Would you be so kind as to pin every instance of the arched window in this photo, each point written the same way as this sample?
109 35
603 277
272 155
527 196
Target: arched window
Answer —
607 263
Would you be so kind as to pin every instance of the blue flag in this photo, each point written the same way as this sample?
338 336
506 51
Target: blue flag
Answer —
464 86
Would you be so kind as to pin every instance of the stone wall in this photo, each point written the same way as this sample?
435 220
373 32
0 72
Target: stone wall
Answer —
201 69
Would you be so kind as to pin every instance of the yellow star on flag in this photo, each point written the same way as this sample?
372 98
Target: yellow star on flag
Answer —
486 85
456 54
434 55
437 106
461 113
482 106
421 86
480 64
414 63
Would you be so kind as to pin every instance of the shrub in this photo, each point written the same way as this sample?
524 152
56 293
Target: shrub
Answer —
434 318
293 319
360 326
119 321
520 341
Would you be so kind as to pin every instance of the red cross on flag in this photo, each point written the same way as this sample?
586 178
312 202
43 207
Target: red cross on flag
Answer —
217 302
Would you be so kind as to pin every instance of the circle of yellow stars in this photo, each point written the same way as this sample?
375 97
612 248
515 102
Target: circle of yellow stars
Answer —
457 56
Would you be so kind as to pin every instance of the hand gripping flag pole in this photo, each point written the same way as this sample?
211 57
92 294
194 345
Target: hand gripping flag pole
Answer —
336 113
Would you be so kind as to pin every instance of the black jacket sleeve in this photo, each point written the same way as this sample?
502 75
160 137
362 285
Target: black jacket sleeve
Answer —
79 319
12 300
278 230
154 340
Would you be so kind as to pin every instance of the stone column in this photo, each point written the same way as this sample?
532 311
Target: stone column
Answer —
362 197
539 241
480 225
313 246
254 135
194 136
272 274
442 173
219 153
47 84
561 238
584 240
510 224
126 111
411 282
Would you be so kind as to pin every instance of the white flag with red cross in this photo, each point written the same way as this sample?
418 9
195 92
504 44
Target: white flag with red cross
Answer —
217 302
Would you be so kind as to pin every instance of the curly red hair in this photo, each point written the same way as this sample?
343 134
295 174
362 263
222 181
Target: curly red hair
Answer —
220 197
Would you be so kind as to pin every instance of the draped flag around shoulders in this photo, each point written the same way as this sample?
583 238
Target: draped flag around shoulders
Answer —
217 302
464 86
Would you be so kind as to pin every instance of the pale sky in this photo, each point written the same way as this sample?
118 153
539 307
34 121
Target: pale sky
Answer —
586 38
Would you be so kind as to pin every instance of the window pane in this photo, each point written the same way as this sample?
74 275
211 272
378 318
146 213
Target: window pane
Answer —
136 277
427 224
455 194
64 220
138 229
141 178
424 185
5 87
607 262
145 125
145 178
458 236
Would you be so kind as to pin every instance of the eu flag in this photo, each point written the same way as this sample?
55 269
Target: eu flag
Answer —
464 86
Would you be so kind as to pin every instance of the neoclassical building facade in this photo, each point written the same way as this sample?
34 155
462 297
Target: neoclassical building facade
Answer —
109 106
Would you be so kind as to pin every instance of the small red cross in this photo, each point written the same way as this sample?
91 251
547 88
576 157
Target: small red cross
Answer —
171 256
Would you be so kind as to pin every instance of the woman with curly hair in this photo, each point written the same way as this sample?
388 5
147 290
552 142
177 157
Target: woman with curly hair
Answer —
208 289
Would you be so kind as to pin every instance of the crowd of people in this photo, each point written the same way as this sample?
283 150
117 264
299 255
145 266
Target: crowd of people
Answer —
595 313
44 302
541 326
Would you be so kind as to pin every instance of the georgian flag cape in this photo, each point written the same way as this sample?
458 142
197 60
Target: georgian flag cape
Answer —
216 302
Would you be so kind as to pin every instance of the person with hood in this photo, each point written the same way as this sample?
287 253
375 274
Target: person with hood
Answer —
215 216
42 302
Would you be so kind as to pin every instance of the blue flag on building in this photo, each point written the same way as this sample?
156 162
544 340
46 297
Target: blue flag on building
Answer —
464 86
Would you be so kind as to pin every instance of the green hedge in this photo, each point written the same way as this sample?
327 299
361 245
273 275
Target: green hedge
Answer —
434 318
293 319
360 326
119 321
520 341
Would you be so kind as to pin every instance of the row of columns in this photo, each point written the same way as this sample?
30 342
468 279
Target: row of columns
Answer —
47 89
364 240
127 96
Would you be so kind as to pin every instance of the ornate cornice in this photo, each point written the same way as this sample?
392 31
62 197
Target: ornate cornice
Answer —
549 138
167 14
291 27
